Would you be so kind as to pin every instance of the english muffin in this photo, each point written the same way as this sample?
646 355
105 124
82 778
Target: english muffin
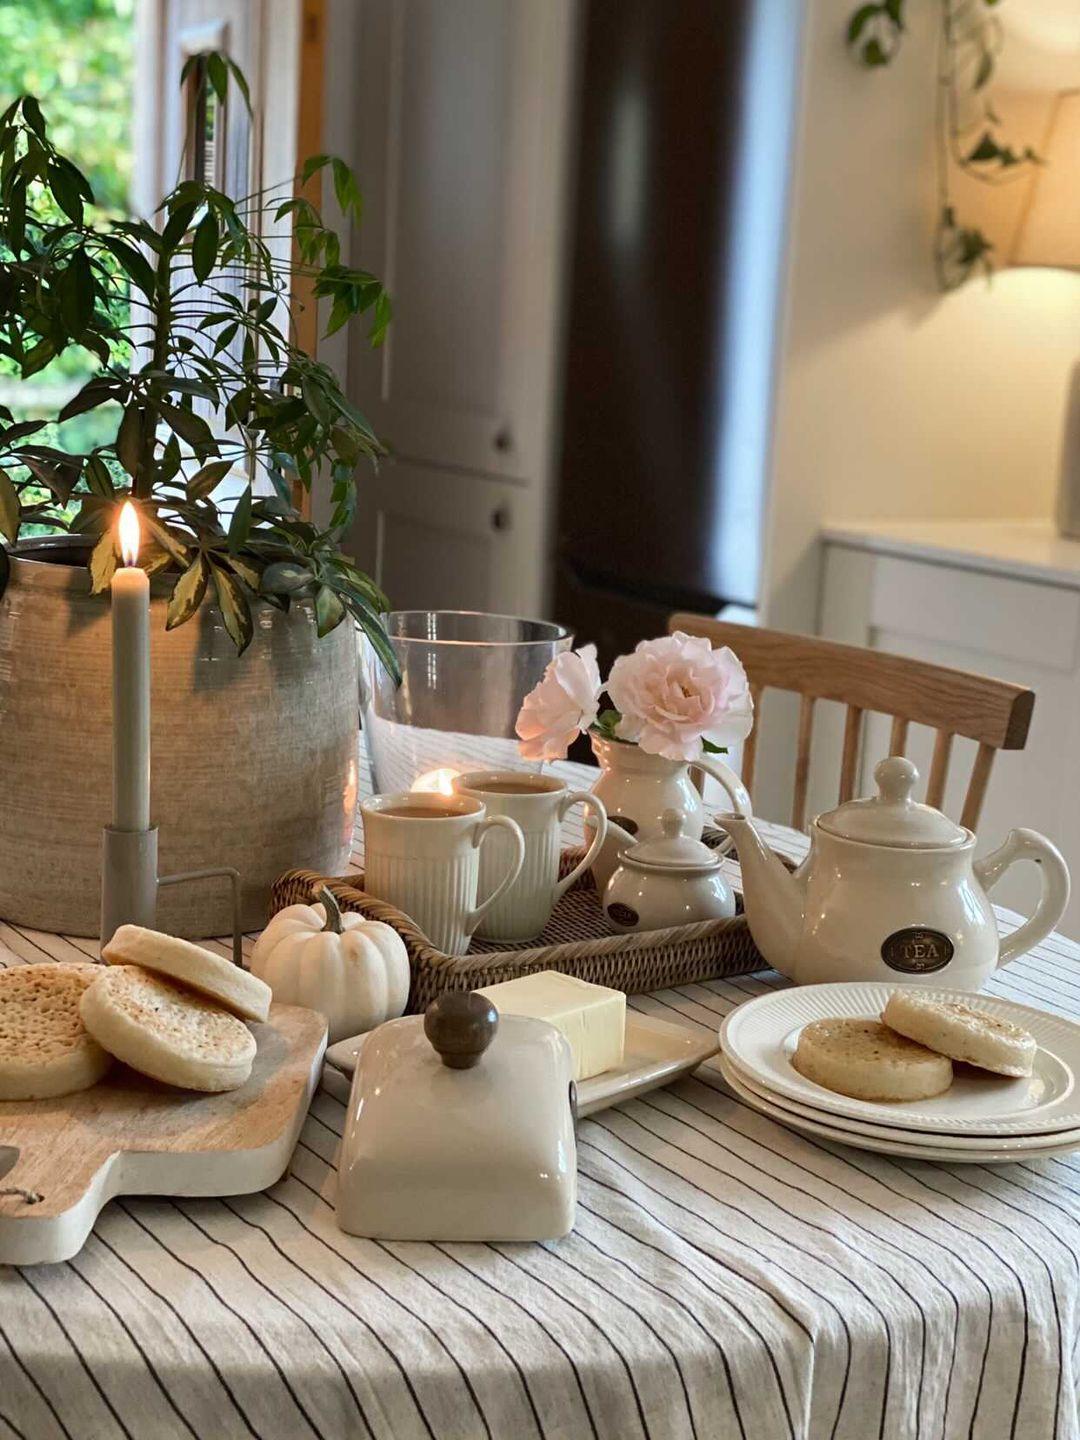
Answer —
868 1061
166 1031
244 994
961 1032
45 1049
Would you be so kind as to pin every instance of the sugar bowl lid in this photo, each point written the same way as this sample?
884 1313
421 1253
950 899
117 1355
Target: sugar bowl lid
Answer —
674 850
892 817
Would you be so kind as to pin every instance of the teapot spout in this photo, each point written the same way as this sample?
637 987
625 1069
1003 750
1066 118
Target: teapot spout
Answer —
772 896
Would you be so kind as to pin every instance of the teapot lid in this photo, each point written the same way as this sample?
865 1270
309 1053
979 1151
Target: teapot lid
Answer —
892 817
675 850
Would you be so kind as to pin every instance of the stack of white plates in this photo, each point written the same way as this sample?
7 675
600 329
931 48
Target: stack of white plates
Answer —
982 1119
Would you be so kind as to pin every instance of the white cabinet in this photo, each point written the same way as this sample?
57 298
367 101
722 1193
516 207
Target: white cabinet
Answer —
462 114
1024 627
443 540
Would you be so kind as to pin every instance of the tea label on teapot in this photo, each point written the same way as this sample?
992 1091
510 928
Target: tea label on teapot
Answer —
916 950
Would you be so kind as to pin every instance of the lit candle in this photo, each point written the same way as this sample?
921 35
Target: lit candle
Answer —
436 782
131 681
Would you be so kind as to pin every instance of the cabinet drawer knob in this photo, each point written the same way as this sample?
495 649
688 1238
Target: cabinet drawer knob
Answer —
504 441
500 517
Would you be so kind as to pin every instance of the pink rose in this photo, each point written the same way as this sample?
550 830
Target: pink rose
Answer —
563 705
678 691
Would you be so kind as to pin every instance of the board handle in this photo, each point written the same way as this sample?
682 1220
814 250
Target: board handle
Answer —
26 1189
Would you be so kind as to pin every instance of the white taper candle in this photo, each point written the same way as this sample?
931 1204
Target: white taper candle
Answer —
131 682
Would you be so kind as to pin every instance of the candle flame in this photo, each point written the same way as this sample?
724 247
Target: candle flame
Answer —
436 782
130 537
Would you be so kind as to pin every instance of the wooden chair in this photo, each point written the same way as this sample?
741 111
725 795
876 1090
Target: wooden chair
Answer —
994 713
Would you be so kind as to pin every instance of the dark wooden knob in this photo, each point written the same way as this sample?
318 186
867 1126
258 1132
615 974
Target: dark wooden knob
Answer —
461 1026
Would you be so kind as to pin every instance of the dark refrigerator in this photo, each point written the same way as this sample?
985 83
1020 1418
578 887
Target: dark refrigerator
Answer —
675 260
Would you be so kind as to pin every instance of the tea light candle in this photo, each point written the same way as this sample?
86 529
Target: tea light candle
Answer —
131 681
436 782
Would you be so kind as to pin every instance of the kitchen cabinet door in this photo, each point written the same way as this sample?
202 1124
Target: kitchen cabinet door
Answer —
435 539
461 110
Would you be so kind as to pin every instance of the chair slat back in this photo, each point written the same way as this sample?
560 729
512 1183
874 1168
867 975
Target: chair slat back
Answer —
996 714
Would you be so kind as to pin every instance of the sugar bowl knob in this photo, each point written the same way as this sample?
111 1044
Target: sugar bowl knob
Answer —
461 1026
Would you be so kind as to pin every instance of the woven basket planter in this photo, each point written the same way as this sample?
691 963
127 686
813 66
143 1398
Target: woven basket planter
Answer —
575 942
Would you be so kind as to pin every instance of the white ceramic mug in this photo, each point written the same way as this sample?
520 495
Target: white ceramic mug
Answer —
539 804
422 853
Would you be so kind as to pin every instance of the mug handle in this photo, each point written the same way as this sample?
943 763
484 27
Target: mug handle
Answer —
736 791
472 920
592 803
1054 874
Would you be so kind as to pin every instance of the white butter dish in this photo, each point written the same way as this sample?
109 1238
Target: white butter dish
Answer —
473 1140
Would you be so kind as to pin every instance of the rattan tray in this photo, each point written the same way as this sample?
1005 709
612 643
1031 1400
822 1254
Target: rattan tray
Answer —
576 941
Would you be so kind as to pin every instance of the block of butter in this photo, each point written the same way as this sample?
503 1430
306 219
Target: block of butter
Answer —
592 1017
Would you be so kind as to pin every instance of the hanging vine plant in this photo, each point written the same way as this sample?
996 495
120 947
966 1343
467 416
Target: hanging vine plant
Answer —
968 127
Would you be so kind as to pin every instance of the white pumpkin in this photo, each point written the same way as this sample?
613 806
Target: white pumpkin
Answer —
355 971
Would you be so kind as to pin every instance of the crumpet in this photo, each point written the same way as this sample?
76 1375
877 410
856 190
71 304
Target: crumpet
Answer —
961 1032
868 1061
237 990
45 1050
167 1032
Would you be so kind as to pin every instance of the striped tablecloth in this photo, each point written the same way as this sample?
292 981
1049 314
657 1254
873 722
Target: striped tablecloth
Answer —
726 1278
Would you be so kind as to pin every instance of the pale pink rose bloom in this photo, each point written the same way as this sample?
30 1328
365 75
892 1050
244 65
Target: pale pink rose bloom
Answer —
563 705
678 691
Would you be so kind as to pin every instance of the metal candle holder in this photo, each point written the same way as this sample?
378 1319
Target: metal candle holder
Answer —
130 883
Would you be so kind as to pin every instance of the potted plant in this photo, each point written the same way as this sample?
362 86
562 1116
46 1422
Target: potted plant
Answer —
223 421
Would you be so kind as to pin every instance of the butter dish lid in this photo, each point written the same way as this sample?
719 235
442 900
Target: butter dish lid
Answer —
674 850
892 817
460 1127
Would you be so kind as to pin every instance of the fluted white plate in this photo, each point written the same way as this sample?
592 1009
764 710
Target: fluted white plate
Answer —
938 1139
760 1038
942 1150
656 1053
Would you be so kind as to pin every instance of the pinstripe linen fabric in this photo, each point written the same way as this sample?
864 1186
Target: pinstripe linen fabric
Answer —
726 1278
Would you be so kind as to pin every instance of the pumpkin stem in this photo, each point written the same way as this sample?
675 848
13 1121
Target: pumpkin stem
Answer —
333 910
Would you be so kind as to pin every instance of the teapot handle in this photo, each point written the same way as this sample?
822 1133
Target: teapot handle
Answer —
1028 845
736 792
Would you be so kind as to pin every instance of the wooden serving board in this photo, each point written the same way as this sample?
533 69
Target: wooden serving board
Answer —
129 1135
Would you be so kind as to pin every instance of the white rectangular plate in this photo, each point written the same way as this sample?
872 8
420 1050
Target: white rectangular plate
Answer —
656 1053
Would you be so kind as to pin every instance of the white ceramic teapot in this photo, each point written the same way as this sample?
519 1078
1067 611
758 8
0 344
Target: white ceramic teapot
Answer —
890 891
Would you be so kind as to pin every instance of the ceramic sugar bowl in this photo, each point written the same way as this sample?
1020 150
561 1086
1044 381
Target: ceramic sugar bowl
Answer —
672 880
460 1127
891 891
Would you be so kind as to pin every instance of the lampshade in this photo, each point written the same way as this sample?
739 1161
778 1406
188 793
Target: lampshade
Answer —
1049 228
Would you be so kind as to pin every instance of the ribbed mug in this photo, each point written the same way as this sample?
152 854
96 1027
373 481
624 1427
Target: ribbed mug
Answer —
539 804
422 854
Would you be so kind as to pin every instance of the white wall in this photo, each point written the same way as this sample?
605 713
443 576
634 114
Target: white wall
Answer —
895 400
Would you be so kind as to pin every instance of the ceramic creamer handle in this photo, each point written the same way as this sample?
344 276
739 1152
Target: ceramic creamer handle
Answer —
501 822
594 806
736 791
1054 873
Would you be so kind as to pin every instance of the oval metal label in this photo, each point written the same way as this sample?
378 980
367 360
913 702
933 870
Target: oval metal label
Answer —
917 950
622 914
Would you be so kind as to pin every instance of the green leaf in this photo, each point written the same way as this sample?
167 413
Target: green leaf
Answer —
873 53
218 75
102 562
94 393
165 538
129 440
189 426
9 508
187 593
235 610
285 577
66 194
241 81
329 610
894 9
240 524
98 477
315 400
346 189
859 21
177 227
248 572
381 317
132 261
986 149
380 643
311 164
207 479
204 246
